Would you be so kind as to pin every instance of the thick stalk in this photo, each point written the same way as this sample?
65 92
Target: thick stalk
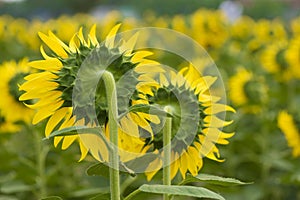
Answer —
110 87
167 134
41 154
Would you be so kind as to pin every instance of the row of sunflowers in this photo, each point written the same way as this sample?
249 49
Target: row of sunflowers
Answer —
259 63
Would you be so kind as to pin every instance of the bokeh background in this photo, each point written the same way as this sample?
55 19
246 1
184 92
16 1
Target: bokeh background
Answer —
254 43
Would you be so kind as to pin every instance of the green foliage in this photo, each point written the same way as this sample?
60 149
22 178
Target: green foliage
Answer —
191 191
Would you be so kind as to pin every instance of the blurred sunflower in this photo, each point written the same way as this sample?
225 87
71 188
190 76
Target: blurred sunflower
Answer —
208 28
273 59
292 56
52 88
12 110
289 128
247 91
266 32
194 110
7 126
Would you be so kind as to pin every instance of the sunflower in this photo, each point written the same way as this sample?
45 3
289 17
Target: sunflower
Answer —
7 126
288 126
52 89
273 59
194 110
292 56
12 110
236 86
247 91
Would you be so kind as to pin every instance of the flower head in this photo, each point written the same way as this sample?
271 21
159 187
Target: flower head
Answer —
273 59
247 90
12 110
288 126
195 126
53 86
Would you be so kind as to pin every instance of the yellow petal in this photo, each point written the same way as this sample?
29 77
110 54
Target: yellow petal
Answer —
138 56
41 75
192 167
49 98
57 140
213 121
55 119
84 151
49 65
163 80
175 164
153 168
45 56
68 140
36 93
92 36
217 108
129 45
74 44
38 84
46 112
61 43
110 38
53 45
129 127
80 36
183 164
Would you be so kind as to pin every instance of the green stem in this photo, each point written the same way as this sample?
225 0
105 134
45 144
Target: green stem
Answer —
167 134
110 87
41 154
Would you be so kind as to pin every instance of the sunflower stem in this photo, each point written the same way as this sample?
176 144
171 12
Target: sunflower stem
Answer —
167 134
41 154
110 87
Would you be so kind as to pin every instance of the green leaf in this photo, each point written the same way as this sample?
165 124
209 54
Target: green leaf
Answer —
101 197
212 179
191 191
74 130
15 187
52 198
102 169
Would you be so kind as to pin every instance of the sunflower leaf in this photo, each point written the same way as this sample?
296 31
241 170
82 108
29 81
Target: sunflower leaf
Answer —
212 179
102 169
191 191
73 130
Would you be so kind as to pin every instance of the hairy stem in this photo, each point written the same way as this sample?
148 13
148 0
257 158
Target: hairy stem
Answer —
41 154
110 87
167 134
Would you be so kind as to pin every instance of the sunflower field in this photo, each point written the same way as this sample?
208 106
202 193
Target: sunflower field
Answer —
252 152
